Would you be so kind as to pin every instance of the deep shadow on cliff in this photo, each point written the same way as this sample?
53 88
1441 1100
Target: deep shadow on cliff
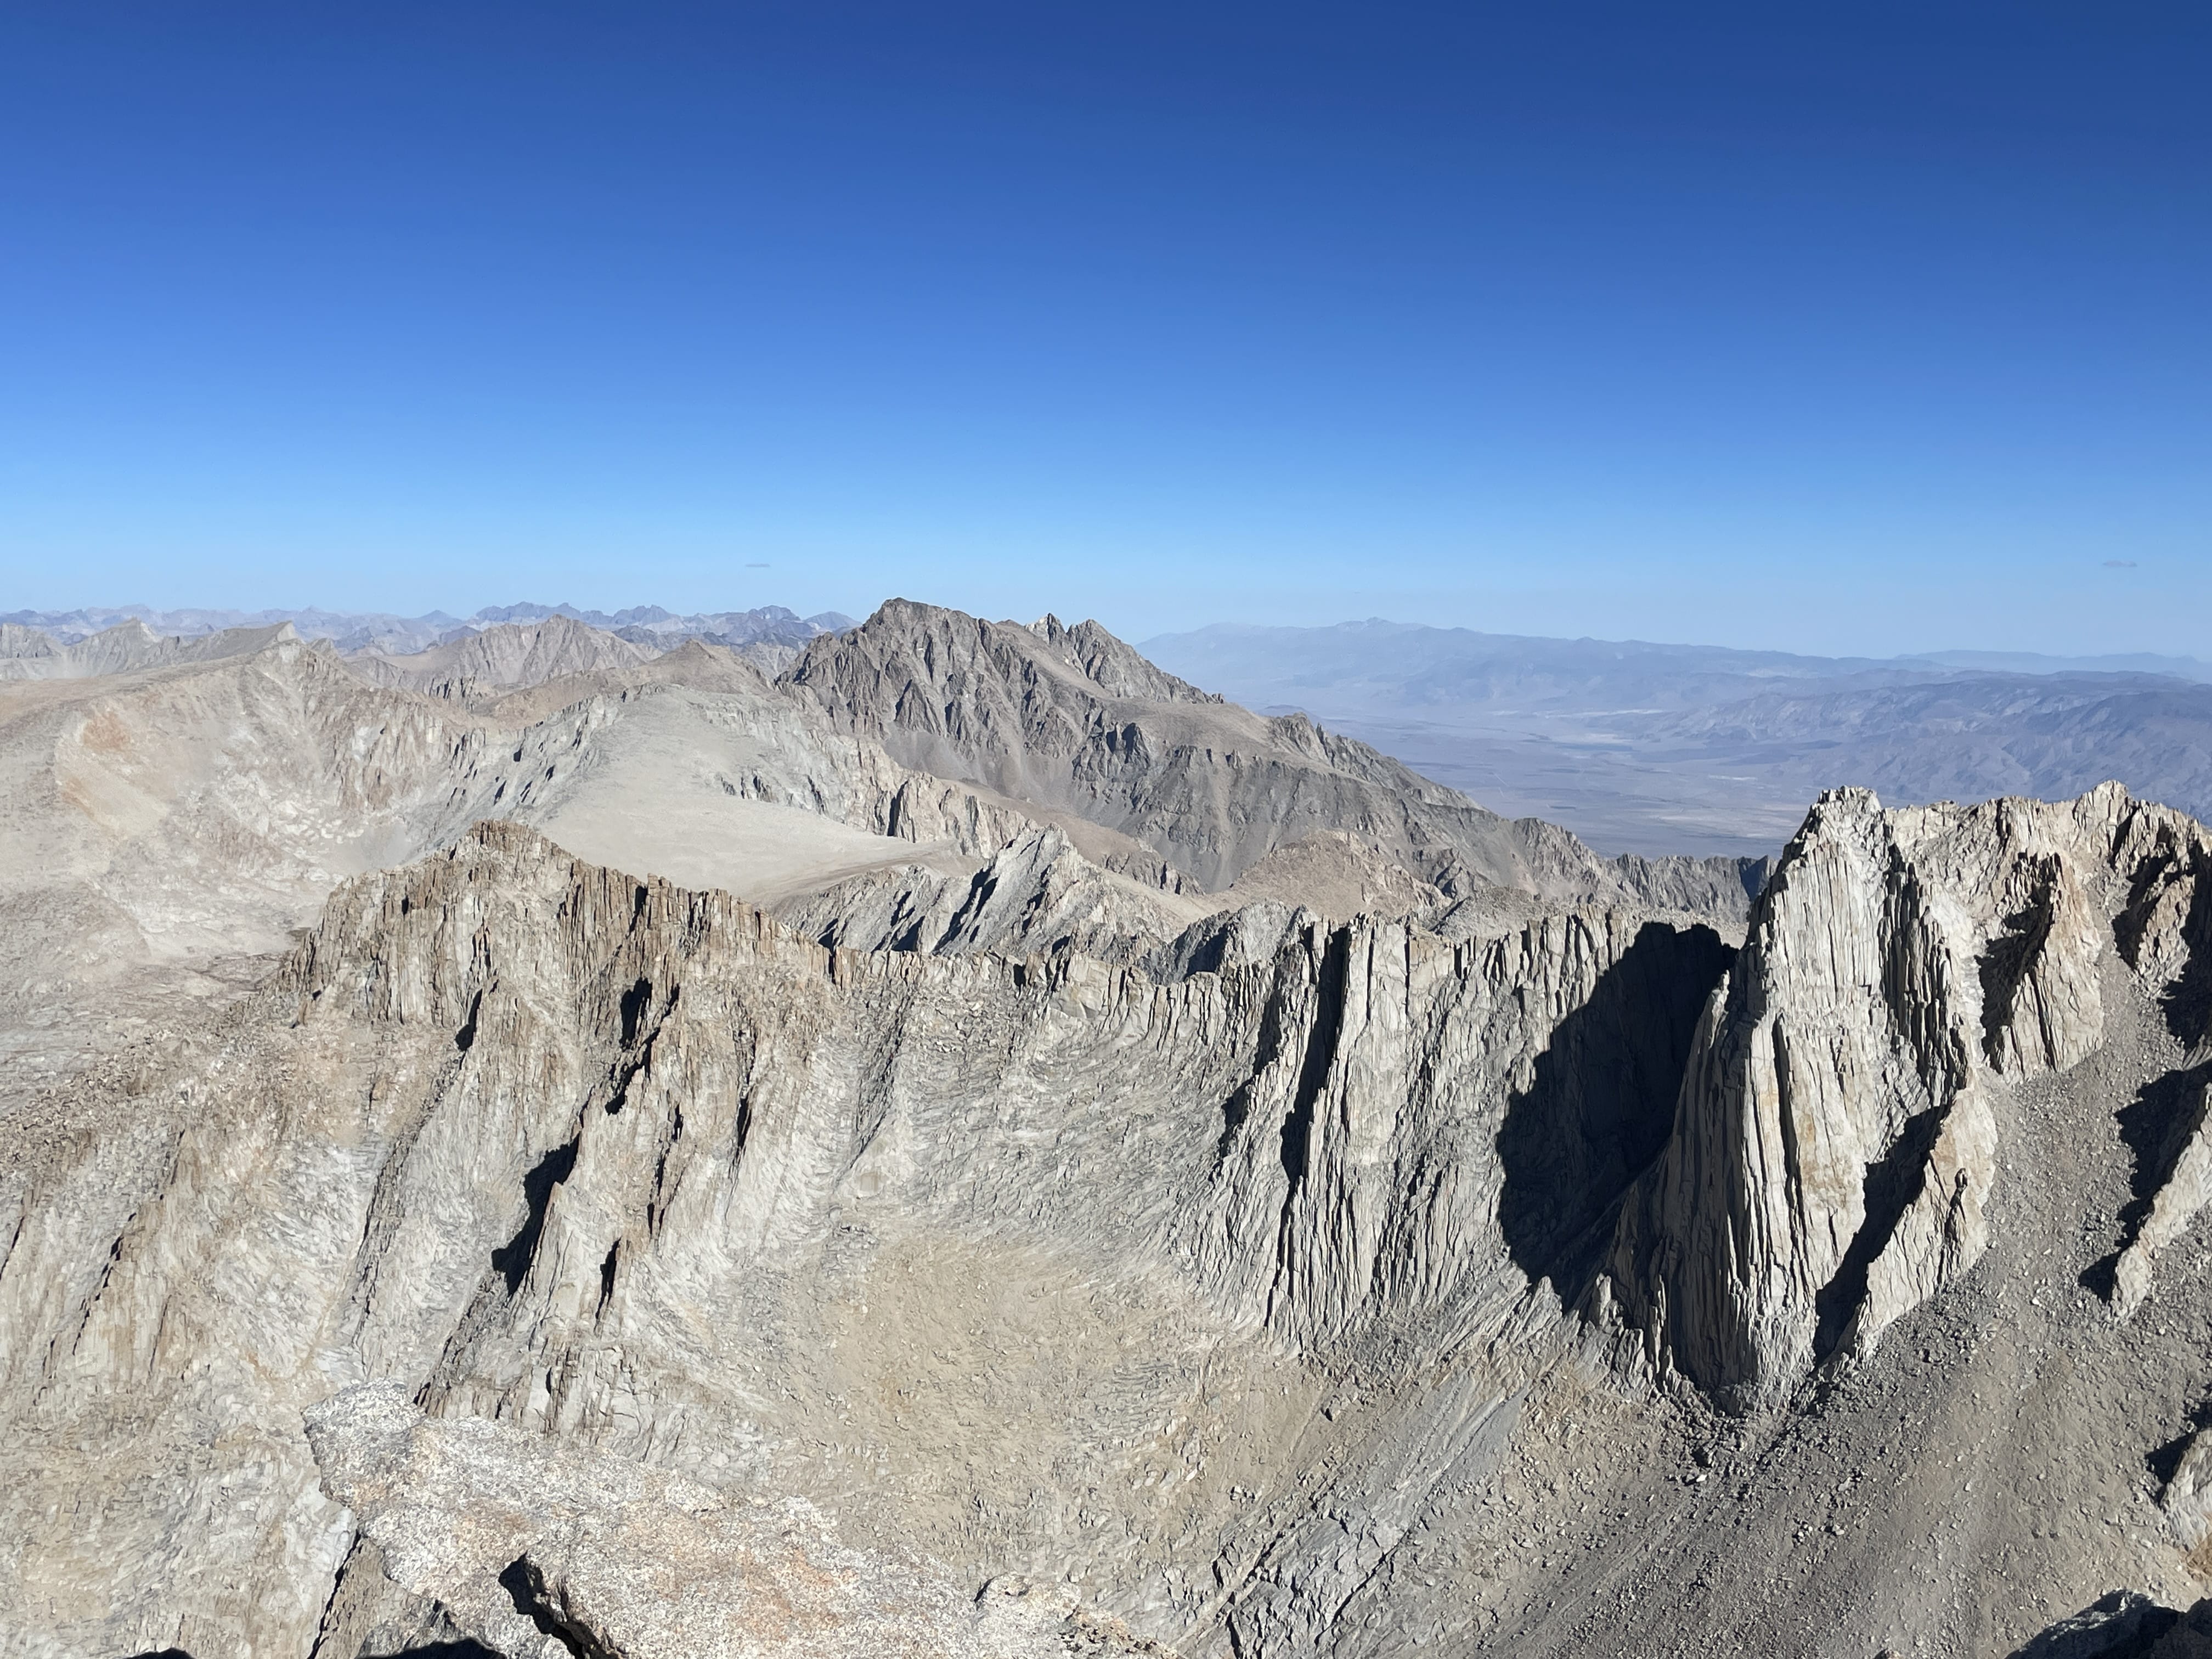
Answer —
1601 1103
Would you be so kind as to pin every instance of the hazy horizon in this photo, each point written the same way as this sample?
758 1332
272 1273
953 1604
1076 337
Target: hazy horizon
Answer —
1956 656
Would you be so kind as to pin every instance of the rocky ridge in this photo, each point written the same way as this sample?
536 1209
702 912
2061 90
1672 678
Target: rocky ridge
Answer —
169 823
985 1203
1072 717
28 654
502 658
637 1168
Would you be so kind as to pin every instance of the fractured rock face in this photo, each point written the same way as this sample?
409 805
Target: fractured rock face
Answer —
634 1166
1838 1049
2042 1010
2180 1197
1836 1142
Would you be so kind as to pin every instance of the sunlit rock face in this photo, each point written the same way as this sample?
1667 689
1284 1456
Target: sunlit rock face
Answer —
1000 1238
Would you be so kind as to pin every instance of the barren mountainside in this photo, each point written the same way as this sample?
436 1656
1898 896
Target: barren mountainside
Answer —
973 1146
1678 747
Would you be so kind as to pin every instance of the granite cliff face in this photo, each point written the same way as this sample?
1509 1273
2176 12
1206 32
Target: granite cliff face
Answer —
981 1231
1836 1142
580 1150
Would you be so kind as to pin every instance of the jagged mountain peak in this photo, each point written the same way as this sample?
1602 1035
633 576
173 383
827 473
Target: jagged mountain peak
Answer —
936 641
1076 719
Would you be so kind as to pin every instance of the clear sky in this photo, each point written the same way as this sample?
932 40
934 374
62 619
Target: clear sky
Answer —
1855 328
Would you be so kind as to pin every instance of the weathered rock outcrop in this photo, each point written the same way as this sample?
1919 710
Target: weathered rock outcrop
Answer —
1836 1142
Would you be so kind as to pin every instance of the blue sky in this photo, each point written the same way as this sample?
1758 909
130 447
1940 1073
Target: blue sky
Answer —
1867 328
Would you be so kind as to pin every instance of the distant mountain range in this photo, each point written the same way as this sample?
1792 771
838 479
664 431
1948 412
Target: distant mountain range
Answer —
378 631
1639 746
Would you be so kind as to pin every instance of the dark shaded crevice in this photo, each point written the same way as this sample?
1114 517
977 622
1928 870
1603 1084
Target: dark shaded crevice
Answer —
1601 1107
526 1586
464 1039
1892 1184
1321 1041
620 1097
2154 1127
513 1260
1209 954
661 1165
607 1274
1234 1111
2006 964
1319 1055
2187 1004
2151 877
634 1003
639 1035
